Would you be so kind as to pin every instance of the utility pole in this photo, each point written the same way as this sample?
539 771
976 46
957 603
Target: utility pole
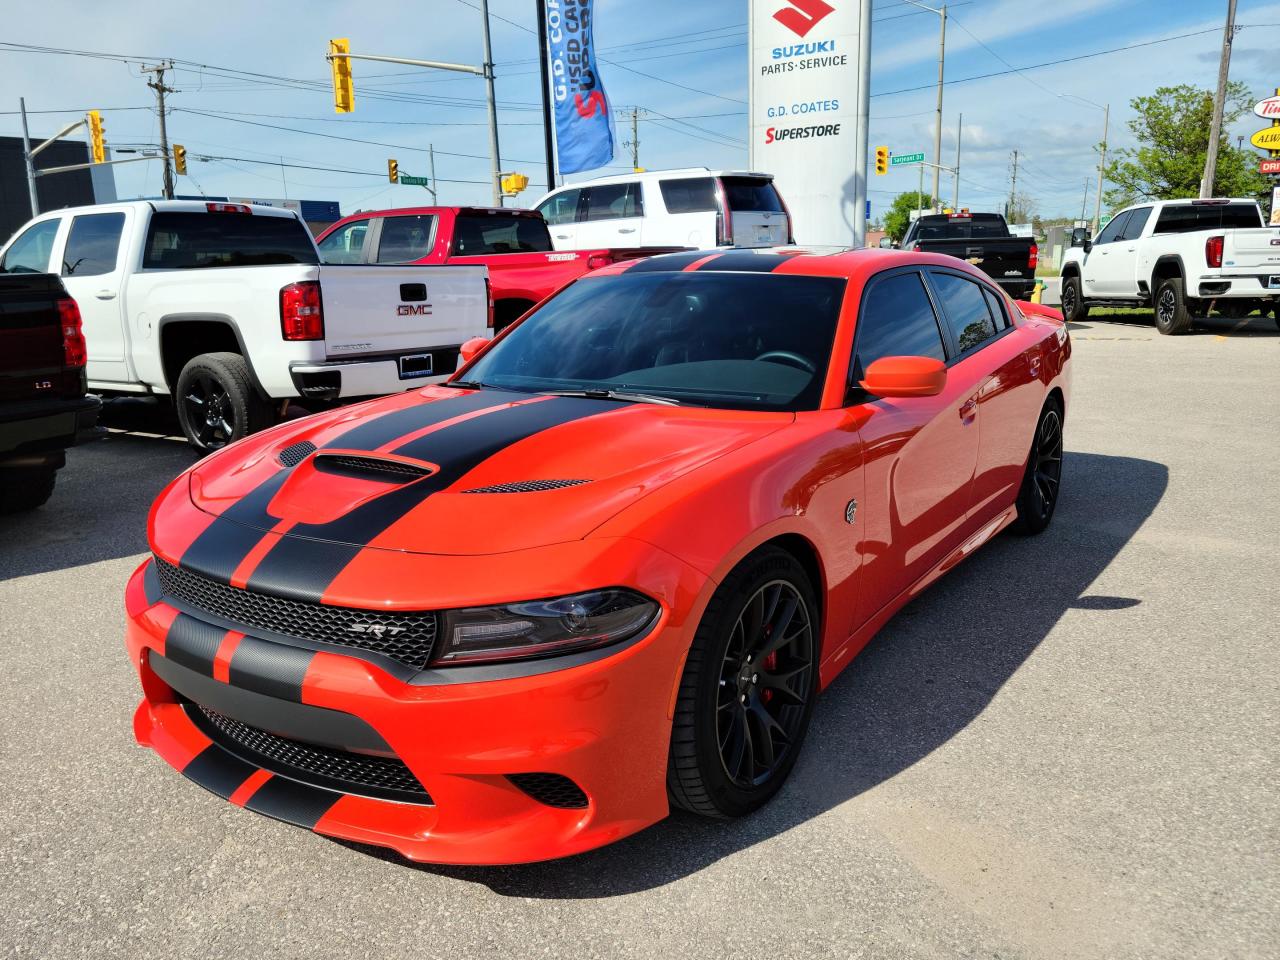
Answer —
634 142
30 160
955 196
495 174
1084 201
158 86
942 59
920 193
1102 168
1013 186
545 69
1215 129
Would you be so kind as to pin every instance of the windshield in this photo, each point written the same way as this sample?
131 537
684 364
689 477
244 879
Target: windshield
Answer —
740 341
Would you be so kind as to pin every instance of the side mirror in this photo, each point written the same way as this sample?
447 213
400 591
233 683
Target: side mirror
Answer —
468 351
1080 238
905 377
886 243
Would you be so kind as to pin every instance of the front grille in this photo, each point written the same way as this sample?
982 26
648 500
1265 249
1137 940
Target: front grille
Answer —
385 777
406 638
552 789
295 453
373 468
526 486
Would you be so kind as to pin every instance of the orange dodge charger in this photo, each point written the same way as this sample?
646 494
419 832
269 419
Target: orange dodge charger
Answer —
607 567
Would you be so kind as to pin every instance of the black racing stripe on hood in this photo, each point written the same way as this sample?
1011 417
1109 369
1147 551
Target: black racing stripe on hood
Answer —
741 261
670 263
221 548
302 565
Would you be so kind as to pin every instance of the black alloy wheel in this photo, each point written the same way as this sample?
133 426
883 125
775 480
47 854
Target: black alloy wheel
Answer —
748 689
1074 309
764 683
208 410
217 403
1043 478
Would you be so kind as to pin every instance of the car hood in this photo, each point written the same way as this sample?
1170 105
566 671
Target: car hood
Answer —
445 471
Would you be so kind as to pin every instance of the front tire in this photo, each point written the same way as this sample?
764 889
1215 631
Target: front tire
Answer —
1042 479
1074 308
217 403
1173 312
748 689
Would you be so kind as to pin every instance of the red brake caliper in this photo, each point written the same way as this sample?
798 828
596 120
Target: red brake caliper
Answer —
770 664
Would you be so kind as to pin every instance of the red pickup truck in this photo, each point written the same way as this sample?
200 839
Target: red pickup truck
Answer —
524 268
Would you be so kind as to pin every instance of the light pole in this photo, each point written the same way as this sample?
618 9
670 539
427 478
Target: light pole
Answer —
1102 158
942 57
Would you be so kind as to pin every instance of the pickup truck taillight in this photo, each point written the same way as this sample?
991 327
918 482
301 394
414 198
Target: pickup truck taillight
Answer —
598 260
488 297
74 350
301 313
1213 251
1033 258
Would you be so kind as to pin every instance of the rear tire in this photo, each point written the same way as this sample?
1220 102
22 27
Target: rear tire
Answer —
1074 308
1042 479
748 688
1173 311
25 488
217 403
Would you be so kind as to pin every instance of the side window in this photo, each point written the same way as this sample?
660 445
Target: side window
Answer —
896 319
996 305
346 244
612 201
404 239
691 195
93 245
1112 230
1136 221
966 309
561 207
30 253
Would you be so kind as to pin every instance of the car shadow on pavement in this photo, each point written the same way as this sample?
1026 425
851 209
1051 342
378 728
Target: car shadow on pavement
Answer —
1263 327
930 672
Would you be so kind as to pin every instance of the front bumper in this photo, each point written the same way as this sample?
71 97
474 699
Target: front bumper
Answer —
345 379
603 725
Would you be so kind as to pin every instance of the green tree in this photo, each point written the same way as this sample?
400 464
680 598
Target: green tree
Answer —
898 218
1172 129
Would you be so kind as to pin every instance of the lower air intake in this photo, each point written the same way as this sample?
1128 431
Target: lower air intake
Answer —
551 789
384 777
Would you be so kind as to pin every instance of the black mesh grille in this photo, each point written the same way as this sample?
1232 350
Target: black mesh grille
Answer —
391 471
385 777
550 788
295 453
404 637
526 486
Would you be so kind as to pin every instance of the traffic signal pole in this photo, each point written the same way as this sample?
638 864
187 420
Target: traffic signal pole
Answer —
495 175
29 157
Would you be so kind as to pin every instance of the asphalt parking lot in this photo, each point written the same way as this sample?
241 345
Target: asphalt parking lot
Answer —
1066 748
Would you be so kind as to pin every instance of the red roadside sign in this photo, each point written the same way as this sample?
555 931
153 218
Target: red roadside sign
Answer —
1269 166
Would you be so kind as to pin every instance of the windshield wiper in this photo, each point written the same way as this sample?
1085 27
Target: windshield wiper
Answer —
465 384
623 395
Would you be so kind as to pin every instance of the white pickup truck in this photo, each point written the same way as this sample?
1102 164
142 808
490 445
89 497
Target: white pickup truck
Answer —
227 308
1182 257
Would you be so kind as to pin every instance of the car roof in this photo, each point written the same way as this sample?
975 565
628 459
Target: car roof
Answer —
163 206
673 173
803 261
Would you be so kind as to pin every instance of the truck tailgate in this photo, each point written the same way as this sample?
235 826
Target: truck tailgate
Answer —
30 333
372 310
1252 248
1000 258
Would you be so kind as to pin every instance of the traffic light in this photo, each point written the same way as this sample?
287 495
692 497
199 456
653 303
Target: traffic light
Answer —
882 161
97 146
180 159
344 91
393 171
514 183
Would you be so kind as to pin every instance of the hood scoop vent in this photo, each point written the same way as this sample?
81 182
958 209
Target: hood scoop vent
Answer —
527 486
295 453
371 468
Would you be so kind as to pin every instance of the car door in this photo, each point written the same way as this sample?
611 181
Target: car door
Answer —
920 452
611 215
93 272
1101 272
1122 254
404 239
350 243
560 210
991 351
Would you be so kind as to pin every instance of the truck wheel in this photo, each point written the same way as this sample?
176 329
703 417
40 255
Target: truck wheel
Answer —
1074 308
26 488
1173 313
217 403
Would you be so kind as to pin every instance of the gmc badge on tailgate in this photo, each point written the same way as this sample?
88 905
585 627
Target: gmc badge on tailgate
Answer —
414 310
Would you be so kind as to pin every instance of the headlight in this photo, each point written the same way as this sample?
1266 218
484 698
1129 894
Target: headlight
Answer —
540 628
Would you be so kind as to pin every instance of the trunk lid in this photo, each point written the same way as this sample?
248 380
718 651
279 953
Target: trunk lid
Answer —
759 216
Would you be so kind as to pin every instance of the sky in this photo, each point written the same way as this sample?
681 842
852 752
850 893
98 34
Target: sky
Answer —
253 88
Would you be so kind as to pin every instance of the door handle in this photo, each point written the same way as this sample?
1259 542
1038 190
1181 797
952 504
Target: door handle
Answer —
562 236
626 229
969 410
105 294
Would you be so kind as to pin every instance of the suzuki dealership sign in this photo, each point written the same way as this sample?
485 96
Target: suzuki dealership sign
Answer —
808 90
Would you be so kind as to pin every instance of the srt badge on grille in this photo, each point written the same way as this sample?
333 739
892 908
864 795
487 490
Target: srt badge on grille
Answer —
375 629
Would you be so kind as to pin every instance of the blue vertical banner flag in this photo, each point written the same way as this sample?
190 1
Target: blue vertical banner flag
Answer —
584 120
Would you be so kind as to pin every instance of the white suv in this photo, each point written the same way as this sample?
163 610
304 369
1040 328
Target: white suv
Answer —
694 207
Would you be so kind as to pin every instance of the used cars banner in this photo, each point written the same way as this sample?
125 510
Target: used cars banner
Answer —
806 80
584 121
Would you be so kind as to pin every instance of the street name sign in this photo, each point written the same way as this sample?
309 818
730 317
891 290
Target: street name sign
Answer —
906 158
409 181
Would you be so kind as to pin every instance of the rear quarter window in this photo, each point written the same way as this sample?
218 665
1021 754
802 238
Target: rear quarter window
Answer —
1208 216
476 236
689 195
190 241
